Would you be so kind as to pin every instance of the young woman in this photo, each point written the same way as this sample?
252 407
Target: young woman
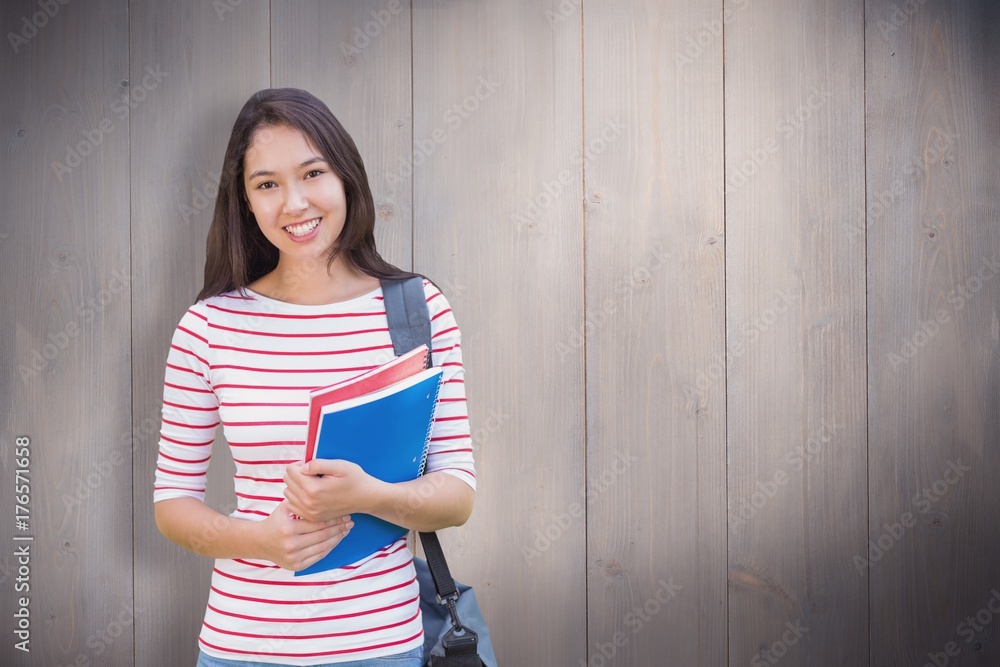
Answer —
291 302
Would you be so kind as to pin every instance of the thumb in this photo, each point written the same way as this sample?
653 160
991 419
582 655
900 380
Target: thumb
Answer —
321 467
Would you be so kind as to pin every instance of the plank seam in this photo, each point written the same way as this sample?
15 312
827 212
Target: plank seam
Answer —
586 420
725 331
131 310
413 193
864 195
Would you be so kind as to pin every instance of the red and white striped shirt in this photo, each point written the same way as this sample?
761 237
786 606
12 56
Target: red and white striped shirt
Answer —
249 363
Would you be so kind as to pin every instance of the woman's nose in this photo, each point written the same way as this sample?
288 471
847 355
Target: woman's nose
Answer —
295 202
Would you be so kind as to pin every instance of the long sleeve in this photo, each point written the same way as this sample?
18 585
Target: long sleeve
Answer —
450 448
190 412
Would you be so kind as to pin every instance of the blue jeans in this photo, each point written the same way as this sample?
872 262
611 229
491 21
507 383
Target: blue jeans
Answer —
411 658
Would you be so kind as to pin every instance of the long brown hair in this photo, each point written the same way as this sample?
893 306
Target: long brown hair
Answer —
237 251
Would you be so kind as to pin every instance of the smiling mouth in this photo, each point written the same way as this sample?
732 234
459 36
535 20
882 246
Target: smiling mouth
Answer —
302 228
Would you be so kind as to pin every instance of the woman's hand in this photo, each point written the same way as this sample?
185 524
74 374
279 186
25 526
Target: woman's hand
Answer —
295 544
431 502
342 489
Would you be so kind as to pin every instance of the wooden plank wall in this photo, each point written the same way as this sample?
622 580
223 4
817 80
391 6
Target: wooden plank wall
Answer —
67 386
508 107
795 315
211 61
726 273
933 238
655 315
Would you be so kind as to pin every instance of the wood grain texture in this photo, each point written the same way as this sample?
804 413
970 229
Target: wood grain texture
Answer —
656 538
214 57
365 80
64 245
730 322
795 295
497 115
933 232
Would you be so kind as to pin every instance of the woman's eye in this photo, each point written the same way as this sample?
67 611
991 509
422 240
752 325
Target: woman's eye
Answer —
266 184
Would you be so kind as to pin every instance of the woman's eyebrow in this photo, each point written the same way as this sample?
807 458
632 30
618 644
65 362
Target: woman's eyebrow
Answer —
265 172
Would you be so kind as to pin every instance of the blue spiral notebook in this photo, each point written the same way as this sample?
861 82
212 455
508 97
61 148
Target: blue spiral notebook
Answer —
387 433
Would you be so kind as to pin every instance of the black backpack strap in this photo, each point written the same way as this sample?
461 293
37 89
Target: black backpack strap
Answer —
443 582
461 644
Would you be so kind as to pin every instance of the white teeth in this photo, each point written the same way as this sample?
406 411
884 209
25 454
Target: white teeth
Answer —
303 229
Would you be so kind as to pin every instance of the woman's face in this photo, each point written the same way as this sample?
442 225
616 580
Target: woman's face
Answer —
297 199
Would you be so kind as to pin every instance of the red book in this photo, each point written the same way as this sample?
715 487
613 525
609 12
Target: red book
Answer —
388 373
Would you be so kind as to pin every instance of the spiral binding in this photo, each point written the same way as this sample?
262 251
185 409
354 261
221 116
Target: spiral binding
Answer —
430 424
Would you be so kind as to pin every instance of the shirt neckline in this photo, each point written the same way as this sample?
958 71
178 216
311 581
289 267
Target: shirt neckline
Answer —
305 307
